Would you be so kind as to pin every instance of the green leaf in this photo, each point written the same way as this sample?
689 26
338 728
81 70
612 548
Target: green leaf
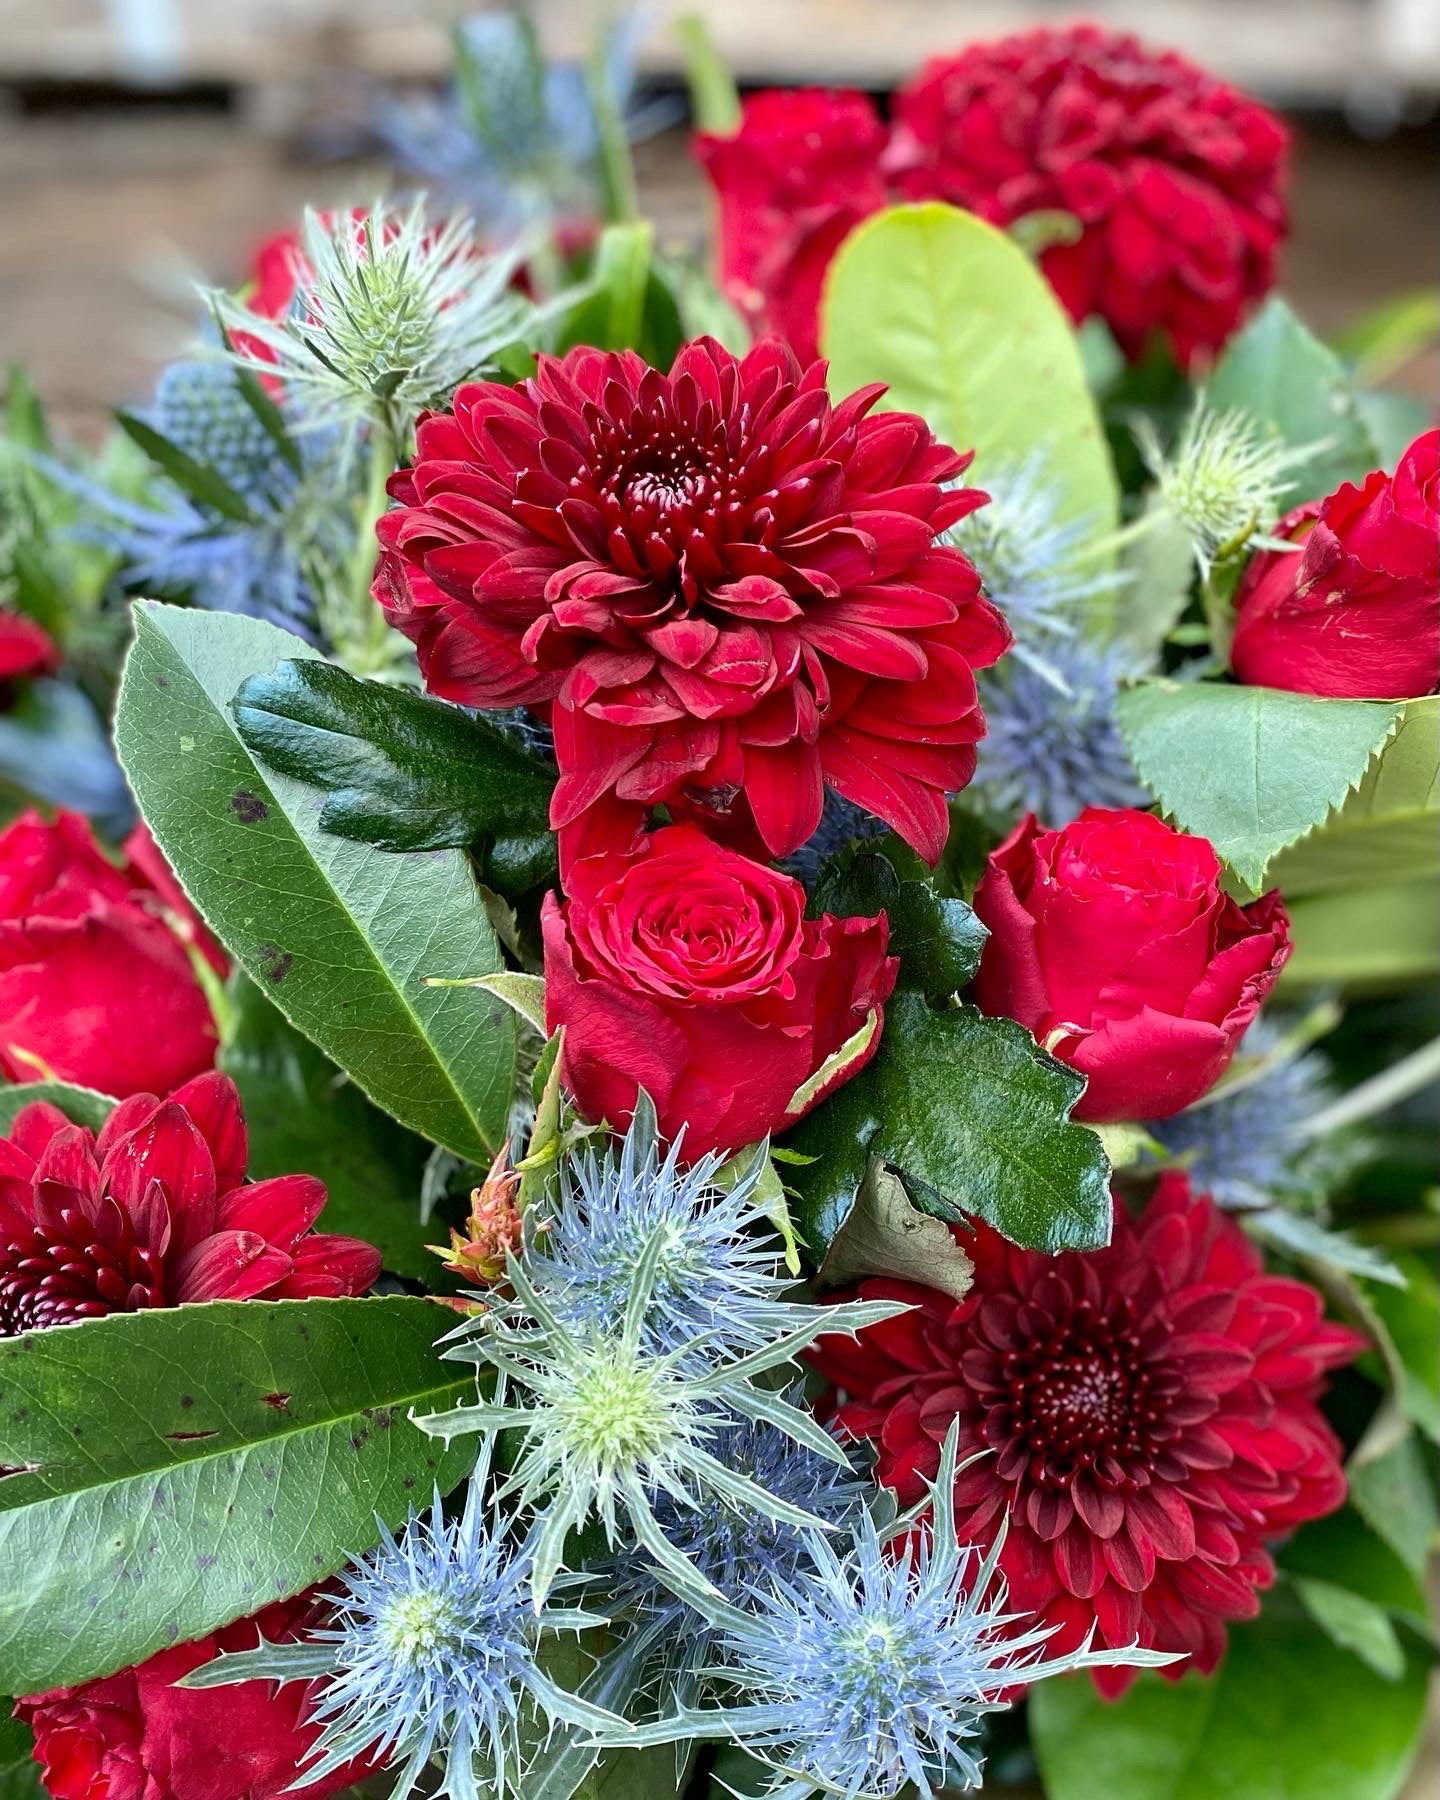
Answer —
1274 764
937 940
1411 1315
19 1771
968 333
1365 939
1281 374
1341 1548
81 1105
339 936
975 1117
714 102
1386 337
1388 829
1354 1623
193 478
885 1233
1393 1494
403 772
303 1114
1288 1716
1394 421
1160 573
183 1467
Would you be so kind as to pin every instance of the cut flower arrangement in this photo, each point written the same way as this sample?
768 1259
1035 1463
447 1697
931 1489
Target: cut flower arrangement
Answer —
715 1061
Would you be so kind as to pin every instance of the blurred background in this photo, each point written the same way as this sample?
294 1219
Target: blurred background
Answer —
148 143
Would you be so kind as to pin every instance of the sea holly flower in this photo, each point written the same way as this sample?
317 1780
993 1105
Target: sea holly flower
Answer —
1148 1414
1355 613
1176 180
688 970
1113 940
726 589
865 1673
156 1211
604 1424
430 1650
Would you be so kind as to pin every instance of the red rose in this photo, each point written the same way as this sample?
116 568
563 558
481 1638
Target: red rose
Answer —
689 970
1143 1417
1114 942
157 1211
136 1736
96 982
726 589
25 651
1177 180
1356 615
793 181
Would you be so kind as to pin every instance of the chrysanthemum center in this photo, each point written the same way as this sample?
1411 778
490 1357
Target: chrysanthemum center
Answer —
44 1283
1083 1393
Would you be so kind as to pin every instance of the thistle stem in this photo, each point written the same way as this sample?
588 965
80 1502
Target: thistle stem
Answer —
1380 1093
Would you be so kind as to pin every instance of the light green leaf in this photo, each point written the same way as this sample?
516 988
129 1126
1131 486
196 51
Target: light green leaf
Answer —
974 1116
1342 1549
1288 1716
967 332
1411 1315
338 935
183 1467
1392 1493
885 1233
1388 829
1273 764
1281 374
523 994
304 1115
1354 1623
1365 939
1159 567
81 1105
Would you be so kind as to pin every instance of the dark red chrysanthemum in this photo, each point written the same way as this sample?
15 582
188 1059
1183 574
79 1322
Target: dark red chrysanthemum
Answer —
724 590
1149 1413
157 1211
1177 180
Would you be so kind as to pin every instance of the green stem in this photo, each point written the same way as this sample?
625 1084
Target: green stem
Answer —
617 166
364 628
1380 1093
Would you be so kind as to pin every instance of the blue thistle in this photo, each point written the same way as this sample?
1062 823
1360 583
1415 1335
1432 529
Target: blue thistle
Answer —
1052 745
199 406
431 1651
867 1671
717 1284
1245 1145
841 823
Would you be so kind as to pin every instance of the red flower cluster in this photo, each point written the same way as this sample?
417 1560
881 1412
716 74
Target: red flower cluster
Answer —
693 972
154 1212
137 1736
723 588
1356 615
1114 942
1176 181
97 981
1147 1412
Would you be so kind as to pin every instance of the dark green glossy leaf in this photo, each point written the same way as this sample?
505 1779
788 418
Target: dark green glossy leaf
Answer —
193 478
183 1467
341 937
304 1115
402 772
1289 1716
975 1116
937 940
81 1105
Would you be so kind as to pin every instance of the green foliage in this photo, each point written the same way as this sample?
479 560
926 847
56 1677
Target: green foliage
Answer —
629 301
975 1117
81 1105
19 1772
1393 1493
304 1115
1281 374
938 940
1342 1549
340 937
202 484
1386 337
1250 768
403 772
1289 1714
1411 1318
183 1467
1371 939
960 323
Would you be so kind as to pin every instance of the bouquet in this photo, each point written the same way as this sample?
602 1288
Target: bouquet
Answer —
715 1058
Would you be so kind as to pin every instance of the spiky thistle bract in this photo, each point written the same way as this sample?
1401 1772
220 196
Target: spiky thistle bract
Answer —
392 312
433 1651
869 1670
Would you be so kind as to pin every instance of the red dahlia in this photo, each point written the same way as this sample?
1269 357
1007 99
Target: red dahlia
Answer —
724 590
154 1212
1149 1413
1176 179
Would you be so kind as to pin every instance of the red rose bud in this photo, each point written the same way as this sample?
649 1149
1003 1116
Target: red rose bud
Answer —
1113 941
792 182
1177 181
1356 615
156 1211
725 589
97 981
25 652
136 1736
689 970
